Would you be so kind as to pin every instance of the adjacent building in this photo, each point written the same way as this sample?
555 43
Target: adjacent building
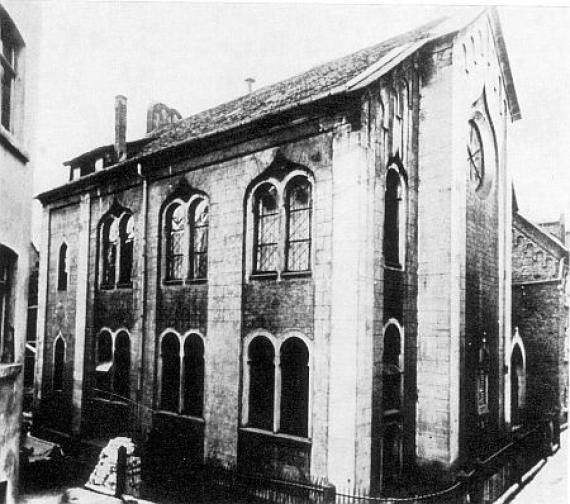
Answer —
539 348
308 280
18 26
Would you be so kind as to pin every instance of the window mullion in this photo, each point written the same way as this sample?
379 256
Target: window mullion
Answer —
119 249
282 238
181 379
186 247
277 394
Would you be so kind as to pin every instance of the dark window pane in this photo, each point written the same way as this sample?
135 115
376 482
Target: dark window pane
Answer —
170 391
122 366
174 242
294 387
104 364
299 208
392 372
59 356
199 241
62 268
127 240
261 383
266 229
193 376
391 454
391 219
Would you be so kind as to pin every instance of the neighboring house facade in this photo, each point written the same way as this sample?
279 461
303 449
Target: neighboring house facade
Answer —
540 318
307 280
18 27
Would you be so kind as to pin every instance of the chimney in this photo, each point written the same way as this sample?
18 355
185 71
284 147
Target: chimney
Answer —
250 82
121 127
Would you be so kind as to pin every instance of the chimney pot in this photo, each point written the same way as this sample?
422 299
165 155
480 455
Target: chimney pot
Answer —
121 127
250 82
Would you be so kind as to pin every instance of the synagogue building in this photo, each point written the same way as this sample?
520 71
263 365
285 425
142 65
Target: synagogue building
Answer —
313 279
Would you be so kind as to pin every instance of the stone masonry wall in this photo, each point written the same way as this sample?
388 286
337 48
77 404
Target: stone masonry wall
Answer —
60 318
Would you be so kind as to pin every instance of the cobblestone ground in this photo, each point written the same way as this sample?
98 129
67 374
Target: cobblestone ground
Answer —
550 484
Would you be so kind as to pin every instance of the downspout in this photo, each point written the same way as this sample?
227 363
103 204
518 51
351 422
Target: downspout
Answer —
140 394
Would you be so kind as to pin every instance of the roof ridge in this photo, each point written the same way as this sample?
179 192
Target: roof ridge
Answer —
422 29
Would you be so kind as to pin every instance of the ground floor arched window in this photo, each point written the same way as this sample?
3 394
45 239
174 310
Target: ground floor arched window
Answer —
277 385
182 374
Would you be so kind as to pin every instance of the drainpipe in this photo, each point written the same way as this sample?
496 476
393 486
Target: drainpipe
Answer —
140 394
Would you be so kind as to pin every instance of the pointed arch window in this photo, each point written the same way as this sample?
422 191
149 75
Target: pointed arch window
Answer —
261 383
170 354
193 376
392 370
62 268
126 237
113 365
394 219
109 249
518 385
117 243
182 374
299 206
294 388
276 392
58 364
266 228
122 365
175 224
199 222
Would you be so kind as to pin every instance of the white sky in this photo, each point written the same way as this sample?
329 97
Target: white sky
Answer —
193 56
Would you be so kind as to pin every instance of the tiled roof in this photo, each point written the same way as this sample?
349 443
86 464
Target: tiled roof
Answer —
303 88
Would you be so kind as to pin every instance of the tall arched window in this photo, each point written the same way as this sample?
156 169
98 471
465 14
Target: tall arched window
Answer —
109 245
104 365
122 365
518 385
126 236
266 214
193 378
394 219
58 364
199 221
396 121
62 268
174 233
170 379
294 387
261 383
392 393
299 205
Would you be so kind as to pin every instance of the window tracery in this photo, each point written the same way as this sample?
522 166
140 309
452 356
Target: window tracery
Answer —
281 224
185 239
116 250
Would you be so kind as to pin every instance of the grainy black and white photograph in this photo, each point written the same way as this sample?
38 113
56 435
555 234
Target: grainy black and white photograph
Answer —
284 253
